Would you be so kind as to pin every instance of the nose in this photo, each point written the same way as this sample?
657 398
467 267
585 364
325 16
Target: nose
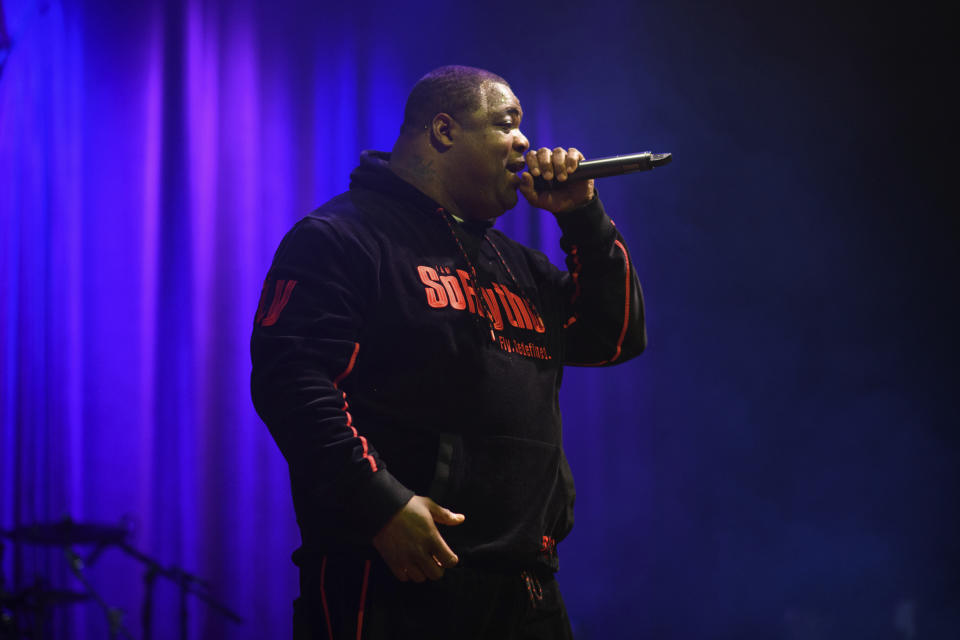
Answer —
520 142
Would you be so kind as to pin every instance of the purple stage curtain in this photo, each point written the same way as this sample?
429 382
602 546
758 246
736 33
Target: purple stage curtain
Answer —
155 157
781 462
152 156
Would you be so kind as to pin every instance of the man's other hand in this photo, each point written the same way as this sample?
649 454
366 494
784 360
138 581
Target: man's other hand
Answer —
412 546
556 164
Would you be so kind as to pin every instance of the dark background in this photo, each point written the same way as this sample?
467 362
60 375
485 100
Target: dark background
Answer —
781 463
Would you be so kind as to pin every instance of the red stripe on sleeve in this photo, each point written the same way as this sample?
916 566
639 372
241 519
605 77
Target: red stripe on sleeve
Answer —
350 365
575 274
626 301
336 385
626 313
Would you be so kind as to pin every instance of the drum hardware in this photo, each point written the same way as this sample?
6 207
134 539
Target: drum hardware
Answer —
113 614
66 534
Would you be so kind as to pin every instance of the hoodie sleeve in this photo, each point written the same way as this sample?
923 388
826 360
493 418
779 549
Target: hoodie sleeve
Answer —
603 319
304 346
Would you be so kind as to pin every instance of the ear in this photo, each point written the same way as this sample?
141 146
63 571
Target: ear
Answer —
443 129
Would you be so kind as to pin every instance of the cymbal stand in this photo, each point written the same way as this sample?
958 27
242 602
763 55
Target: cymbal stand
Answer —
146 609
6 618
114 615
189 585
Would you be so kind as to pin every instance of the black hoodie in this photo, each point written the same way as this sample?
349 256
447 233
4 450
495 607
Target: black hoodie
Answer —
390 336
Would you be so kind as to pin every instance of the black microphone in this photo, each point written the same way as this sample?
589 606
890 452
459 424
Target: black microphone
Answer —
604 167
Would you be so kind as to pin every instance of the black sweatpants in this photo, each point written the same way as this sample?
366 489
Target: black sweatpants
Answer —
359 599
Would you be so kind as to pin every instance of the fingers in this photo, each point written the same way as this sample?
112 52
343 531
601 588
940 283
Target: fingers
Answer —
553 164
543 162
412 573
574 158
444 515
414 564
435 556
412 546
420 564
559 159
526 187
441 553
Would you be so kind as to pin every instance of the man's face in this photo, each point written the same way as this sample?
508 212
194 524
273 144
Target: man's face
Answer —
489 155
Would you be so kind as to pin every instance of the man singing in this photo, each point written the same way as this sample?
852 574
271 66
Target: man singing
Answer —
407 360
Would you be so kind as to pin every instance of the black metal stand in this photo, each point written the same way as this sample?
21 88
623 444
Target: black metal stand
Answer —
114 615
146 610
65 534
188 583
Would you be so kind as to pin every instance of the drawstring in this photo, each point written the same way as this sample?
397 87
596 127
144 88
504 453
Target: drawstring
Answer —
481 298
516 283
534 588
502 261
487 314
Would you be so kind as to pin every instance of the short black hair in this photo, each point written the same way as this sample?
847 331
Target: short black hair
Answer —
451 89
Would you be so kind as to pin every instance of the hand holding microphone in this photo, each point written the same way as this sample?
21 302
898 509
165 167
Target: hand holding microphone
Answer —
561 179
605 167
555 165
